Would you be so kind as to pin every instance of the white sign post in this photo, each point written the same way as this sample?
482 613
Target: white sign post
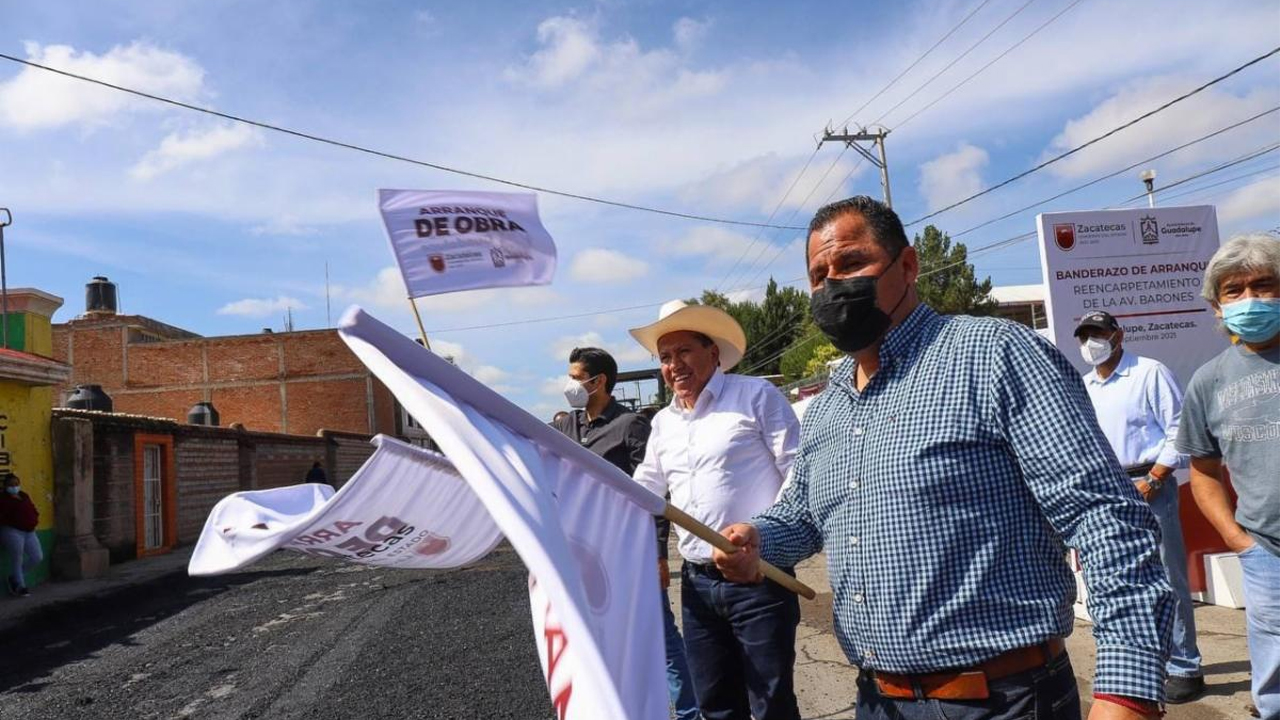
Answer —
1145 267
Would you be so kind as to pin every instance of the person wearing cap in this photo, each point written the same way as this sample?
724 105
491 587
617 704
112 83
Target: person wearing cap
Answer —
947 467
1231 419
722 447
1137 402
605 427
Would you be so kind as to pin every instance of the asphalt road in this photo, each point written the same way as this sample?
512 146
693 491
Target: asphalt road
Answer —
294 638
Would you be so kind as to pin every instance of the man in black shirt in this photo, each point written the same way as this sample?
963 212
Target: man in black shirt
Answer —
603 426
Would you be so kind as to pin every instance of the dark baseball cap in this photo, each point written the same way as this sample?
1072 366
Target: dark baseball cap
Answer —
1097 319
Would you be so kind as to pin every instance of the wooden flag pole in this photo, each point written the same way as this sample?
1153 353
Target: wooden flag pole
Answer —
414 304
684 520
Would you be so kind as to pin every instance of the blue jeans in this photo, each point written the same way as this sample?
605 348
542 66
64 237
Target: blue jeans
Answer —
679 684
741 643
1184 656
20 545
1262 624
1048 693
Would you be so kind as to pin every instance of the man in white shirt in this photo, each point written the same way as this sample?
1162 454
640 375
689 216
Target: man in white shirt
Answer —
1138 405
722 448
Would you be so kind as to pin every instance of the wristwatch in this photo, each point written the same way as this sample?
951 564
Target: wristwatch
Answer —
1153 482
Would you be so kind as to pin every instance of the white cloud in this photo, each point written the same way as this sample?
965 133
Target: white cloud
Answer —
386 291
1199 115
287 224
262 307
36 99
178 149
569 47
769 181
617 74
626 351
490 375
1252 202
954 176
600 266
689 32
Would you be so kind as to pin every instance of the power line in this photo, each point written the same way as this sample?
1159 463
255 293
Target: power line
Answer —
917 61
1095 140
957 59
1125 169
390 155
955 87
1235 178
760 232
1217 168
891 83
993 61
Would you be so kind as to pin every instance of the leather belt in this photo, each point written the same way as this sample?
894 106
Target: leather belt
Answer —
1139 471
968 684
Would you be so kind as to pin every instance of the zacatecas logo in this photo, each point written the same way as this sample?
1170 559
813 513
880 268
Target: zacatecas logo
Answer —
1149 229
437 263
1064 234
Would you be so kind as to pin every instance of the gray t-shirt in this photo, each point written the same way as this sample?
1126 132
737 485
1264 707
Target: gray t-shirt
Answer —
1232 411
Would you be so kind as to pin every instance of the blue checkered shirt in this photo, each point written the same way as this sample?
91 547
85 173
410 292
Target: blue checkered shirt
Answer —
946 493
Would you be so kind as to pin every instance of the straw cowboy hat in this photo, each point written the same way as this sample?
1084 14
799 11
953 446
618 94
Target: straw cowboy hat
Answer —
710 321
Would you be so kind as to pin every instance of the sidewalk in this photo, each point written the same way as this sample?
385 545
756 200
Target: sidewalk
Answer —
120 578
825 681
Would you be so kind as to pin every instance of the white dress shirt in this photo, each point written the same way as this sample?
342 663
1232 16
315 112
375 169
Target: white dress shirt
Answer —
724 459
1138 406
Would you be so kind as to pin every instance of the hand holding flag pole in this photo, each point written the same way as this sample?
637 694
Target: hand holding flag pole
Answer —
720 542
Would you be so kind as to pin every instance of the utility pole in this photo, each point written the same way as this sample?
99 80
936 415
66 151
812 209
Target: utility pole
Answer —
6 219
852 140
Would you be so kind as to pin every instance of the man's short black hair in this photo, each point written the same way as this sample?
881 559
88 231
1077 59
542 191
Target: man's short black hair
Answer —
885 225
596 361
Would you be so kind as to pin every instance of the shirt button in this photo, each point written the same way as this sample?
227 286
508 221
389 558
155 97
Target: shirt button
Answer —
868 654
857 431
857 597
853 541
853 485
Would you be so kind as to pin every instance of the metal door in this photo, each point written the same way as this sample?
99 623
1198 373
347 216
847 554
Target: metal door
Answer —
152 498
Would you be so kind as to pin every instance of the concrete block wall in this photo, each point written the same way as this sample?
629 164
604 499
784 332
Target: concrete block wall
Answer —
209 464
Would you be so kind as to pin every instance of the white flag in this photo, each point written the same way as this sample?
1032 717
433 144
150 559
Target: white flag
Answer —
582 527
406 507
448 240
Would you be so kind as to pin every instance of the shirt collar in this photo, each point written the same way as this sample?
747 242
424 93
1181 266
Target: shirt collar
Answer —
1127 362
610 411
712 390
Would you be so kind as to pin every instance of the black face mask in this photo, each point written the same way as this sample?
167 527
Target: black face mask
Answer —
845 311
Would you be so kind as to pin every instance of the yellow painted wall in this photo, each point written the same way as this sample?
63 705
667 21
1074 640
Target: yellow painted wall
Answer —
26 450
38 333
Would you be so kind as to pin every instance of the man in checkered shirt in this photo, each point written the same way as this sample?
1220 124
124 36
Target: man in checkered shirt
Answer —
945 470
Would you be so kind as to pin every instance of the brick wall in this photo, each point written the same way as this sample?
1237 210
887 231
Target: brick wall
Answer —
297 383
209 464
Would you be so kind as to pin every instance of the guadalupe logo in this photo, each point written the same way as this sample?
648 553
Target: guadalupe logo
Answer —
437 263
1064 234
432 544
499 260
1149 230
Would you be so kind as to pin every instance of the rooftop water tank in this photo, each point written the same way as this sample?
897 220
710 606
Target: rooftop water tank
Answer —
100 297
203 413
89 397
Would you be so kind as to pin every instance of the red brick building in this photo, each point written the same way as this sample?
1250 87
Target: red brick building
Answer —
291 382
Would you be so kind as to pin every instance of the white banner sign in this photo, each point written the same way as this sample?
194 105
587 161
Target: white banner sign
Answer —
1145 267
449 240
406 508
582 527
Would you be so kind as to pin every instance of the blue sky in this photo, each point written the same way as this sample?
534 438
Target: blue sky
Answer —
707 107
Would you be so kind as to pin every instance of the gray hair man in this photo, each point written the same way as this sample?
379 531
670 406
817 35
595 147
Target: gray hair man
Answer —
1231 418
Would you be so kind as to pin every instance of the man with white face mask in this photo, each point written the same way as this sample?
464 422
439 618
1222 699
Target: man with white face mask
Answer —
1138 404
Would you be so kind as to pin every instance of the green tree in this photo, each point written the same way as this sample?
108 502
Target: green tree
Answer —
770 325
947 282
